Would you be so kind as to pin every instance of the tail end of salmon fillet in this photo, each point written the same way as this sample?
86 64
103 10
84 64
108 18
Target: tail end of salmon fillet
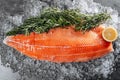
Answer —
5 40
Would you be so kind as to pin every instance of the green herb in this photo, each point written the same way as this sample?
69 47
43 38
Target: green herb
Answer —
52 18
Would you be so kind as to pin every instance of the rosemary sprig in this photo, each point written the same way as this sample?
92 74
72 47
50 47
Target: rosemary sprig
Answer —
52 18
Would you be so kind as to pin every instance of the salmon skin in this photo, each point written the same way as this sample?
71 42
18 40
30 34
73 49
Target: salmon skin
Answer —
62 45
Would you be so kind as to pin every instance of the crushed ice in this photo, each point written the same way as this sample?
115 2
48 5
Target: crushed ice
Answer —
29 68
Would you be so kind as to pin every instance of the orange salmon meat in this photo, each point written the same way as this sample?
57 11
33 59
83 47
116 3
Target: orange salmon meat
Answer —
62 44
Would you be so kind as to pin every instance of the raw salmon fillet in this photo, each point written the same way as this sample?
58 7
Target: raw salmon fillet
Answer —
62 44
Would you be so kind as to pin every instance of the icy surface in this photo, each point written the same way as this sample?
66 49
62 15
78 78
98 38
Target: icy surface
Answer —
7 74
30 69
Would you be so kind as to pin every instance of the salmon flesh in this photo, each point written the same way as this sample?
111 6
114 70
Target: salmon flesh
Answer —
62 44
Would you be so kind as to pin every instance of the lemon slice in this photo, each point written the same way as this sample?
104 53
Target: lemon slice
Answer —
110 34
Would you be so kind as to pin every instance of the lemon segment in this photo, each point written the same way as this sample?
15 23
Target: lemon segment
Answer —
110 34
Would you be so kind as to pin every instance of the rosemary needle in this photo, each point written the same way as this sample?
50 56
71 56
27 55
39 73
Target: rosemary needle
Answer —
52 18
